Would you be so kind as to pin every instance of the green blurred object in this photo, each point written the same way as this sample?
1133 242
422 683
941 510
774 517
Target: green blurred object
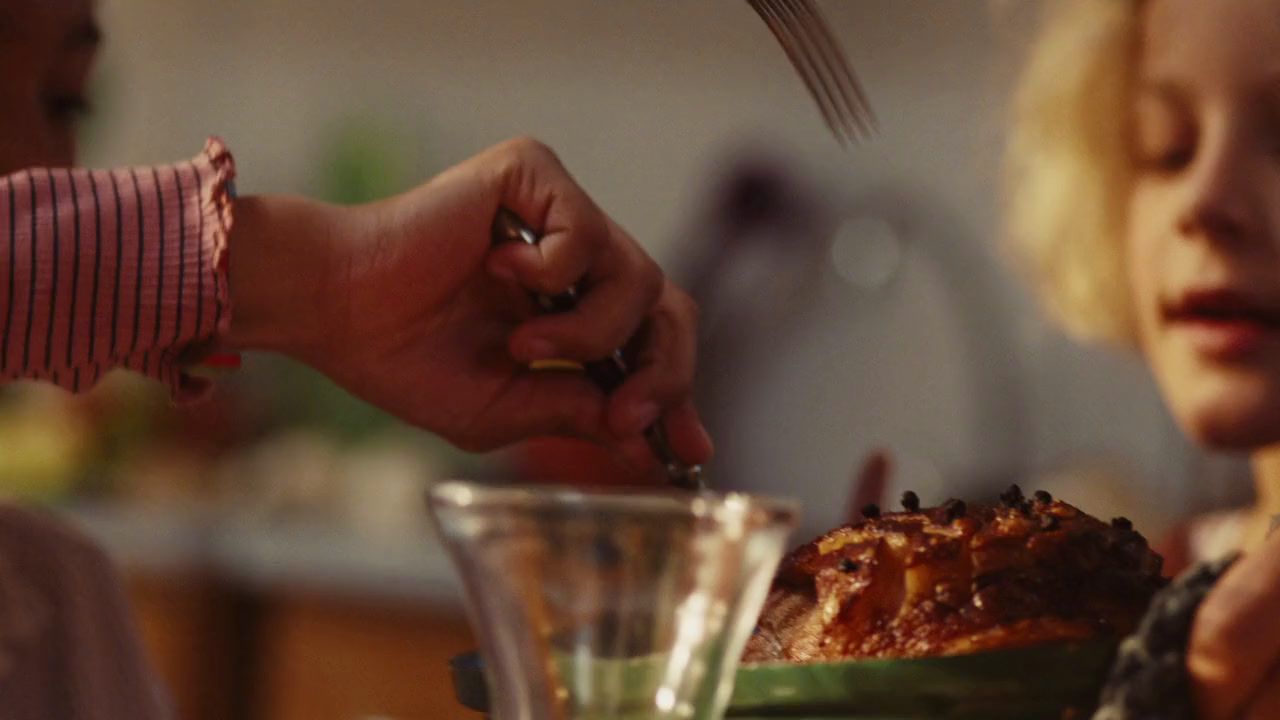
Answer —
1022 684
365 160
300 397
1046 682
45 445
362 160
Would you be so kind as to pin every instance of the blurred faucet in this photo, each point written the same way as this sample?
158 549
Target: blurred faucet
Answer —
751 260
752 253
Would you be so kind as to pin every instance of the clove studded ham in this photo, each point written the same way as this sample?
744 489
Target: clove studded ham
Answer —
957 579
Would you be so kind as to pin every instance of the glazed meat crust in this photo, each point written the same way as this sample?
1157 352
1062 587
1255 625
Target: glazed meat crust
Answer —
956 579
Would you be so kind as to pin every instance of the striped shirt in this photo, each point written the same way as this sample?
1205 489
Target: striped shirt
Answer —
102 269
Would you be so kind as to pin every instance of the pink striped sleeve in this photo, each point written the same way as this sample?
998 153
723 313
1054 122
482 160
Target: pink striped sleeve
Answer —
114 268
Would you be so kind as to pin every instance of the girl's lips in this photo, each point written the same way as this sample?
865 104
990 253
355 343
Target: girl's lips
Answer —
1225 339
1223 324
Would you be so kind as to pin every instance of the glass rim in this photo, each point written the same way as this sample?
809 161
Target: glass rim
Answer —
633 500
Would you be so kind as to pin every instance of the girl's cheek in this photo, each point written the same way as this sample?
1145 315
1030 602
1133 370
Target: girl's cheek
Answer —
1142 260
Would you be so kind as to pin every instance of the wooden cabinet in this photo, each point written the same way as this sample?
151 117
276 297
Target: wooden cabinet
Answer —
327 659
187 627
304 655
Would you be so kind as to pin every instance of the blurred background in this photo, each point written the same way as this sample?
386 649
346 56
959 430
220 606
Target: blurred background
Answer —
855 302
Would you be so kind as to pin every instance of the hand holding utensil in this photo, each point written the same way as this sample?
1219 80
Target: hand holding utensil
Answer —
607 373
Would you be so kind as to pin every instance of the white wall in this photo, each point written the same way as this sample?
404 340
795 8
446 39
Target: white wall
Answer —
645 100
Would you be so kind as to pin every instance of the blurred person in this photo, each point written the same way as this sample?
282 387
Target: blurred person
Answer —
402 302
1144 191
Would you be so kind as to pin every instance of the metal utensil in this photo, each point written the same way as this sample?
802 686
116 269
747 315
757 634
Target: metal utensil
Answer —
607 373
817 56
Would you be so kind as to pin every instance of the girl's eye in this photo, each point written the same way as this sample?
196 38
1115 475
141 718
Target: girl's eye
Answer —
66 109
1166 157
1164 139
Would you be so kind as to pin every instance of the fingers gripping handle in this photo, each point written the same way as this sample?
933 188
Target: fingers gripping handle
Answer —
607 373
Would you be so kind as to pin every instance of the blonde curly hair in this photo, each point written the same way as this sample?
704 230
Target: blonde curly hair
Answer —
1067 165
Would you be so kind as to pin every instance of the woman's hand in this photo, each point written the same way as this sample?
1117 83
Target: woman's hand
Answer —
1234 658
405 304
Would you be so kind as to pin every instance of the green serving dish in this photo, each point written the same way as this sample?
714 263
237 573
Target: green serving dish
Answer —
1049 682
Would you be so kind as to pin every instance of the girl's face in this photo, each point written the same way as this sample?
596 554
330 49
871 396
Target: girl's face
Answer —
1203 223
46 50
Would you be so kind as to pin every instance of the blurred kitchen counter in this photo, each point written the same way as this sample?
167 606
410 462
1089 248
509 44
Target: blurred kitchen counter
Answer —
268 619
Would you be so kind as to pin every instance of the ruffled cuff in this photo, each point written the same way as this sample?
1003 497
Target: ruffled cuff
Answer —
217 194
194 206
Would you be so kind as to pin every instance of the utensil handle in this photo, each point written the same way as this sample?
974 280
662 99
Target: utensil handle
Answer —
608 373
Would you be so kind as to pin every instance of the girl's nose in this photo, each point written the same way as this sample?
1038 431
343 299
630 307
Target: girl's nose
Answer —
1220 202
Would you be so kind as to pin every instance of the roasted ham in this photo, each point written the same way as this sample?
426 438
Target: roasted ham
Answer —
957 579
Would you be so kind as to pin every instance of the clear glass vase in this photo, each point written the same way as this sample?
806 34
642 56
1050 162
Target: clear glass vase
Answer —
610 604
